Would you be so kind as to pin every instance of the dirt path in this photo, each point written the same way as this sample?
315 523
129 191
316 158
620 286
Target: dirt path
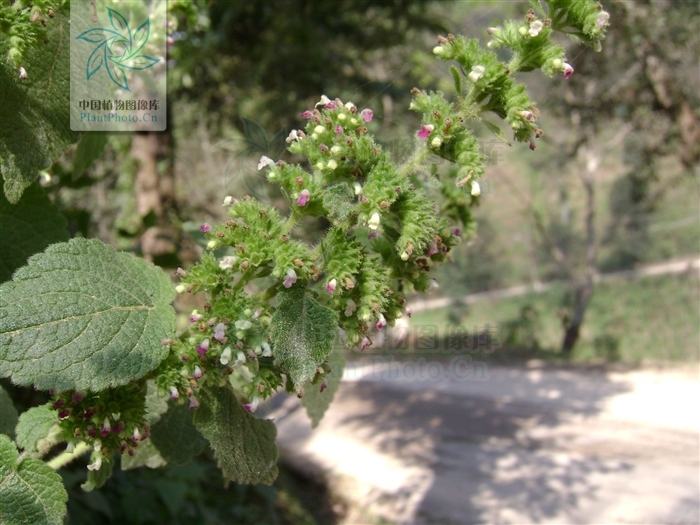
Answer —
528 445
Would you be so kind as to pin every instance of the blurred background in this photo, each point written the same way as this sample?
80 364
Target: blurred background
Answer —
578 297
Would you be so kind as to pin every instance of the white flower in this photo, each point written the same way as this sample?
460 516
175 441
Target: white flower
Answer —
373 222
267 351
358 188
225 356
381 323
293 135
324 100
602 19
265 161
476 73
535 27
476 189
349 106
227 262
332 164
253 405
180 288
319 129
243 324
240 357
95 465
228 201
404 256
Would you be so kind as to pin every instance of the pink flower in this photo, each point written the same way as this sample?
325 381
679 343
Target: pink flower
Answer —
253 405
106 428
306 114
532 145
219 332
381 323
180 272
330 287
409 312
339 130
365 343
204 228
197 374
304 197
324 384
568 70
193 402
367 114
290 279
195 317
174 394
432 249
265 161
456 231
425 131
77 397
203 347
373 235
331 105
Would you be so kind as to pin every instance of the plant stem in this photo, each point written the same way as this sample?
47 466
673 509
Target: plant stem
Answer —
66 457
415 160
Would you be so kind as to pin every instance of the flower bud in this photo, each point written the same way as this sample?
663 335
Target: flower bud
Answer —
373 222
476 189
438 50
304 197
22 73
330 287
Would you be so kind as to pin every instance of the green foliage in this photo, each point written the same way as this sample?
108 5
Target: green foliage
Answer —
26 228
34 425
244 446
90 148
302 335
30 492
8 414
319 393
35 111
176 437
100 314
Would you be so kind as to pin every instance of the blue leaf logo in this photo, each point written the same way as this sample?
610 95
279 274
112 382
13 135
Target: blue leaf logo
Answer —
118 49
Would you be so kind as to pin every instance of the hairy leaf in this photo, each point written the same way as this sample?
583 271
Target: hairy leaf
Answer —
145 455
316 402
35 112
176 437
89 149
244 445
31 493
26 228
302 333
8 414
34 425
83 316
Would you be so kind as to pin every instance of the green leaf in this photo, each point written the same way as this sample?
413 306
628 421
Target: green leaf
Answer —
316 402
97 478
35 112
496 131
244 445
26 228
302 334
31 493
156 405
83 316
176 437
145 455
338 200
8 414
34 425
457 78
89 149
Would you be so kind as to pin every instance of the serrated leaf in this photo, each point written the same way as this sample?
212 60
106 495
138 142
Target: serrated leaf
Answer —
145 455
26 228
31 493
457 78
35 113
83 316
97 478
302 334
89 149
244 445
176 437
33 426
316 402
8 414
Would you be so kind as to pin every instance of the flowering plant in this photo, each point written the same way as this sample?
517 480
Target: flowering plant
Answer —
123 383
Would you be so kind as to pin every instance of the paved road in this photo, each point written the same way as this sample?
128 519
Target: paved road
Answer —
530 445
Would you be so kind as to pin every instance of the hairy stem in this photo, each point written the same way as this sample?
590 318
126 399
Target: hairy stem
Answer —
66 457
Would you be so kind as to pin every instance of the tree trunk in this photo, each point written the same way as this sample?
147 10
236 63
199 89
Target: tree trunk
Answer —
584 290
